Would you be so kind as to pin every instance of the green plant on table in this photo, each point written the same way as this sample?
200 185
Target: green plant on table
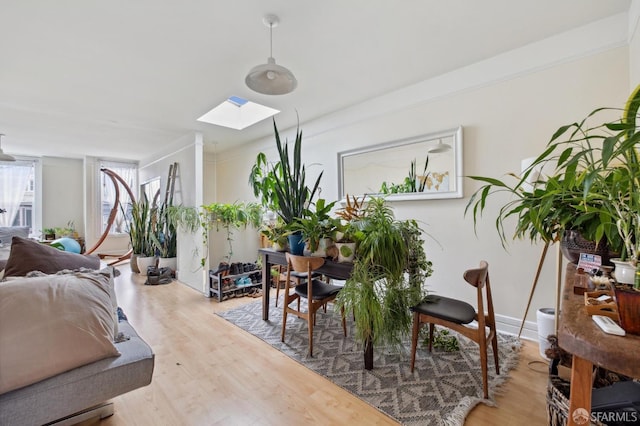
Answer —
316 225
377 292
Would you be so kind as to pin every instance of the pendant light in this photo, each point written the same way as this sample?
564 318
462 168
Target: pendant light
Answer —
439 148
270 78
3 156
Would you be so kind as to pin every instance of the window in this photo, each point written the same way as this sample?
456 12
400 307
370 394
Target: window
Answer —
17 193
129 173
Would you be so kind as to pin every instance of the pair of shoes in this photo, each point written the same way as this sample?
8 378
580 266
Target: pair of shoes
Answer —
243 281
223 269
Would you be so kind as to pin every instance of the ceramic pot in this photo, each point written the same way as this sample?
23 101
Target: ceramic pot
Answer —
280 247
296 244
168 262
624 272
144 262
346 251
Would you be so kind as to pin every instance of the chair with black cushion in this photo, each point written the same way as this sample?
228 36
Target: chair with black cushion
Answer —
317 292
456 315
296 279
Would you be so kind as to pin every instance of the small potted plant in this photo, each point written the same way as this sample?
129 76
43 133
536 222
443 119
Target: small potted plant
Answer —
347 234
276 232
317 228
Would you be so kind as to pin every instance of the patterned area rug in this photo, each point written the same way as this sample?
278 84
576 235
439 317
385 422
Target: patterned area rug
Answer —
443 388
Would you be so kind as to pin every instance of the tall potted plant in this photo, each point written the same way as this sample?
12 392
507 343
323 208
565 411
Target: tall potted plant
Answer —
590 169
377 292
290 187
141 228
594 186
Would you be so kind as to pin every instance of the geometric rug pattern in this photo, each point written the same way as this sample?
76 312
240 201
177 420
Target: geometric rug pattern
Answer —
443 388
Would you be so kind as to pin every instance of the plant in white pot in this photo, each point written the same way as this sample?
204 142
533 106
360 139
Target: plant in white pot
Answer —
348 233
141 234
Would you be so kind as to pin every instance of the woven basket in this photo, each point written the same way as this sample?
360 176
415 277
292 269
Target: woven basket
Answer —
557 401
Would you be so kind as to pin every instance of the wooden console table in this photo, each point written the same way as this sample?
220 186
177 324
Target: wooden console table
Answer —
337 270
580 336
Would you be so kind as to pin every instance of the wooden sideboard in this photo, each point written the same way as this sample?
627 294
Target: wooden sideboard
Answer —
579 335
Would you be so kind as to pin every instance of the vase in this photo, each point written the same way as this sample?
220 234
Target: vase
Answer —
628 302
624 272
346 251
133 262
280 246
296 244
144 262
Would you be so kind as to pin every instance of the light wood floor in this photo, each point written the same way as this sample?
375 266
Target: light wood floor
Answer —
209 372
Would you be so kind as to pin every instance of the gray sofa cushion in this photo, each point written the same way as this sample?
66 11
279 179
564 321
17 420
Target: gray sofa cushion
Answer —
83 387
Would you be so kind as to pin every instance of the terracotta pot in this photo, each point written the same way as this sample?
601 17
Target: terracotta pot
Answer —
628 301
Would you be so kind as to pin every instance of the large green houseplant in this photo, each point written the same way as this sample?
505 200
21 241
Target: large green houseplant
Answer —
591 176
282 186
378 292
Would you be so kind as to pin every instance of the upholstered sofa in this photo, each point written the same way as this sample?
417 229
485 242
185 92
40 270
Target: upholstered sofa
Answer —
65 346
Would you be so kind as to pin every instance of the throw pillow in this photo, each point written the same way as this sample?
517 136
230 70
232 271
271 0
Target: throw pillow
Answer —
52 324
27 255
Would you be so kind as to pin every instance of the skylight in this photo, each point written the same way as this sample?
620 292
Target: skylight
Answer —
237 113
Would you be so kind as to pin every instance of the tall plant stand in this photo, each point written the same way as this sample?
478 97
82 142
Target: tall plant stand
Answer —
543 255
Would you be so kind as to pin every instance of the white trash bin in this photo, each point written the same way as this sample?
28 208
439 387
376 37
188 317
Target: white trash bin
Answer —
546 318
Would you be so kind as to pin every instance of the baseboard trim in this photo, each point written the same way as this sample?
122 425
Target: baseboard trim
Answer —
511 325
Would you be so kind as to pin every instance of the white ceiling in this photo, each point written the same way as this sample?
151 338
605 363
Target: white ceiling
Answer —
128 78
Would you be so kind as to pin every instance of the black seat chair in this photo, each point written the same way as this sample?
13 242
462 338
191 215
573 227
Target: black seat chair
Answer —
456 314
317 292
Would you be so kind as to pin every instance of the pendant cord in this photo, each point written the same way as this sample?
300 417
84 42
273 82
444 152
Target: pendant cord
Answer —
271 40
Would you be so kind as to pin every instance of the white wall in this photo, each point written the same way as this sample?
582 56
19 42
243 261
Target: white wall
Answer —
505 119
634 44
62 193
188 192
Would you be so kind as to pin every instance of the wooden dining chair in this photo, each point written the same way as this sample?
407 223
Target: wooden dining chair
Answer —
317 292
456 314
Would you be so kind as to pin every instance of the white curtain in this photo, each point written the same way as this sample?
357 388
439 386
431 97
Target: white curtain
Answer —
14 178
128 172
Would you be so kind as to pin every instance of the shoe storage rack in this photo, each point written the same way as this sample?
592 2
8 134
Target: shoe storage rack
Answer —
217 287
